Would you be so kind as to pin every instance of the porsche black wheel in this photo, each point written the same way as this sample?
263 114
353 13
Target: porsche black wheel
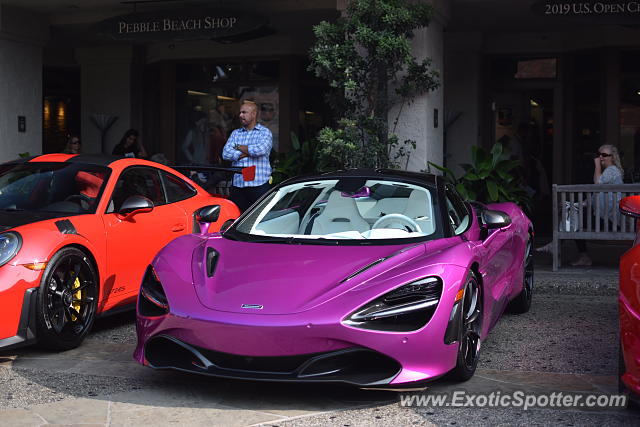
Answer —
469 341
522 303
67 300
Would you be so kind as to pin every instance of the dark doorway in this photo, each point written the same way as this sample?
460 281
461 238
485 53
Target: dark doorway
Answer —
61 107
523 121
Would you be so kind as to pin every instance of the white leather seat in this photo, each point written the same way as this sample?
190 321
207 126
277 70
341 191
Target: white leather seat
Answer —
419 209
386 206
340 214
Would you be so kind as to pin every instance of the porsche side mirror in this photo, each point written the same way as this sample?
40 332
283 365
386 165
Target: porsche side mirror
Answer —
630 206
135 205
495 219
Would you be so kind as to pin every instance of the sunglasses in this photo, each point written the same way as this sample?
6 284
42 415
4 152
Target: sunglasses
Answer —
604 155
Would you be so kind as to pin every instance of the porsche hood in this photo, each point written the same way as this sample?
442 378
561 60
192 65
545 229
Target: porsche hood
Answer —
15 218
286 278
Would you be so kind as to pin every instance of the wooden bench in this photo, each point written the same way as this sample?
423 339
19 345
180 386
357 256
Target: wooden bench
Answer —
591 221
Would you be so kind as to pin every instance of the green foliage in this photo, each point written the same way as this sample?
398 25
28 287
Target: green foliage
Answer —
492 177
362 56
24 155
301 159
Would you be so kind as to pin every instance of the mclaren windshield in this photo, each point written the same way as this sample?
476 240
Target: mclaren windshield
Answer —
71 188
359 210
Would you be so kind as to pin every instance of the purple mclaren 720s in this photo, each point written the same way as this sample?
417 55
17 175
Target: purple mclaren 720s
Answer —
375 278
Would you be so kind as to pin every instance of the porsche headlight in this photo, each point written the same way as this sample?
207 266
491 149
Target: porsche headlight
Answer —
406 308
10 243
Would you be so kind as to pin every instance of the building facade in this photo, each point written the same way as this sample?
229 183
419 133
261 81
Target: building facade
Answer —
553 79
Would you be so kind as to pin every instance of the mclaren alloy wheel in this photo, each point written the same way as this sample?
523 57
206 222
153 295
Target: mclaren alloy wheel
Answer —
469 339
67 300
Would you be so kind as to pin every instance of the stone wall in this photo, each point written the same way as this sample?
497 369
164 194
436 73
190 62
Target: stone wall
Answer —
22 36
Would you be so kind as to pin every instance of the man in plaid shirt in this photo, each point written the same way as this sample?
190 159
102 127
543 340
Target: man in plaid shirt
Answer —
248 146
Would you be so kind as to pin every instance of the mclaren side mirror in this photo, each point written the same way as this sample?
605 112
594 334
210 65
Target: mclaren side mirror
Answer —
495 219
224 227
206 215
135 205
630 206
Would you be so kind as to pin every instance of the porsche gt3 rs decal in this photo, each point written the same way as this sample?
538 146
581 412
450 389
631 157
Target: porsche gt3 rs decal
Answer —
254 306
66 227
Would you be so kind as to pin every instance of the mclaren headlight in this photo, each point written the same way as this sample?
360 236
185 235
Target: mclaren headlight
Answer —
10 243
404 309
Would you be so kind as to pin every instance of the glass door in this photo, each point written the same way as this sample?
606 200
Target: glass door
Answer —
524 124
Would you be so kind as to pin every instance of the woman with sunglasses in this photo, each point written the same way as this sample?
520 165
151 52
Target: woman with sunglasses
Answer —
607 170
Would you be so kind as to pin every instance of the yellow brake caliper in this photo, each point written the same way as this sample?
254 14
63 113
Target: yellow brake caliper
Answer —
77 296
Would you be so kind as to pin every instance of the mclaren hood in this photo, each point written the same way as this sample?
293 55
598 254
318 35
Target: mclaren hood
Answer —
285 278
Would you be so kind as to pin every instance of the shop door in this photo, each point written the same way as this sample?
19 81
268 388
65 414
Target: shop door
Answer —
523 121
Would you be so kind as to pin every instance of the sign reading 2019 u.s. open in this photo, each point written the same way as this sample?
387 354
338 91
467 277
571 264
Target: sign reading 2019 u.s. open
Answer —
196 24
592 11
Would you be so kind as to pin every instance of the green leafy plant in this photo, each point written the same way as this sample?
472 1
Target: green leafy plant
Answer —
492 177
24 155
301 159
365 56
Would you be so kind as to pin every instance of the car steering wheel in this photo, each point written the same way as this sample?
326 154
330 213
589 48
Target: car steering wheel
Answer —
387 220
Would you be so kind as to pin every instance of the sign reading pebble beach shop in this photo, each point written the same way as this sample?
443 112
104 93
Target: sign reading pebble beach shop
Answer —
183 25
597 11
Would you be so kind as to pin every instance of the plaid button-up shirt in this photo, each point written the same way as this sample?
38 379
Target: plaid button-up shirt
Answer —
258 141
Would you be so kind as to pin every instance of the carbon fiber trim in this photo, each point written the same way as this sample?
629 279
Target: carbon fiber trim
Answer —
65 226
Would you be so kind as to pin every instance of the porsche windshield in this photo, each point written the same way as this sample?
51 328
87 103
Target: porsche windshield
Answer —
356 209
51 187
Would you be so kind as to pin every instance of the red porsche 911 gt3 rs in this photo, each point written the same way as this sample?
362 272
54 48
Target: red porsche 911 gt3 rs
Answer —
77 233
629 308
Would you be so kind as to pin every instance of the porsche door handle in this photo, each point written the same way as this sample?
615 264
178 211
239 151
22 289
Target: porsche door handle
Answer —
178 227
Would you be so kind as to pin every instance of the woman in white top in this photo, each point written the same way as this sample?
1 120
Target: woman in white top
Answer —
607 170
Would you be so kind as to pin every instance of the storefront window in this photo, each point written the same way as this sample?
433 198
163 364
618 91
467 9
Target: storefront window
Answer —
208 100
314 111
264 70
587 87
60 107
630 112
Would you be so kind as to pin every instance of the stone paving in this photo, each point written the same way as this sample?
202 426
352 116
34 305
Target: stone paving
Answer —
99 383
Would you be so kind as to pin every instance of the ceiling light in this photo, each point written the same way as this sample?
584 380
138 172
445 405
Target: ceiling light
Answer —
533 103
